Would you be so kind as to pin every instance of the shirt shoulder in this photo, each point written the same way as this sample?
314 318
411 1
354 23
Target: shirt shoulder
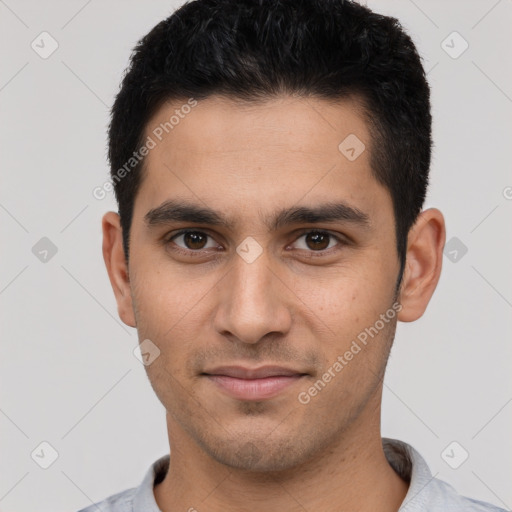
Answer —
136 499
427 493
441 496
120 502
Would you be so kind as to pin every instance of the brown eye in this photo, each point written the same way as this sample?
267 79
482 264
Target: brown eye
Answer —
192 240
316 241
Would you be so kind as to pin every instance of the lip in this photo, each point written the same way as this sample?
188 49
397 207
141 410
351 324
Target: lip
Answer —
241 372
253 384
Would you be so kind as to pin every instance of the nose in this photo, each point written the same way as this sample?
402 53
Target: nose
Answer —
253 301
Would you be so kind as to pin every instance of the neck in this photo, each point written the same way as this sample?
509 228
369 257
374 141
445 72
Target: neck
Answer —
352 475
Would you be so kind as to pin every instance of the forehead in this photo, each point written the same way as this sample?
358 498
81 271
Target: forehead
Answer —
234 155
220 124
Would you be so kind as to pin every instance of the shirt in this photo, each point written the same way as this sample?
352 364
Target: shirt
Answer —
425 493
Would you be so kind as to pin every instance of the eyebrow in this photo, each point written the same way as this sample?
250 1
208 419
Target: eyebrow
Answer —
175 210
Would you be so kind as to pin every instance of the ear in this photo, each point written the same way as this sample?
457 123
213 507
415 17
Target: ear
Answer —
117 268
423 264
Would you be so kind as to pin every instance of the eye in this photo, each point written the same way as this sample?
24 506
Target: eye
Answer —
192 240
189 242
317 241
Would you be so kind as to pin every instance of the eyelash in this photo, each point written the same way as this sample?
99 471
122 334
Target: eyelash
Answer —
199 252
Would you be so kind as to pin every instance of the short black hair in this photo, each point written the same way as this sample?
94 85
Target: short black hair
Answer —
254 50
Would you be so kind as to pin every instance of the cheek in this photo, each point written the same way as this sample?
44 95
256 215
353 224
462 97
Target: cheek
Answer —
354 348
172 311
165 298
346 300
354 366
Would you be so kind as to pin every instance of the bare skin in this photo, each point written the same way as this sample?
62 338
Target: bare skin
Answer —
299 304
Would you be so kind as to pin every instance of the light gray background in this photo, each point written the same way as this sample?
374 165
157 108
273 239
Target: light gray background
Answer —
69 376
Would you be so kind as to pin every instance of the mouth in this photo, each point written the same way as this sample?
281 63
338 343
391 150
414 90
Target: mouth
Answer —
253 384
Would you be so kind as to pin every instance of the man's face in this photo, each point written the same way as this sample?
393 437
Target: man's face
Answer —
253 294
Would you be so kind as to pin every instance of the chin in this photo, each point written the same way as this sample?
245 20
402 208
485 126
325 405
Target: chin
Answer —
260 455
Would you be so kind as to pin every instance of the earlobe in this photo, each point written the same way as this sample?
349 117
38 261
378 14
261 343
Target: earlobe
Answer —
423 264
117 268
